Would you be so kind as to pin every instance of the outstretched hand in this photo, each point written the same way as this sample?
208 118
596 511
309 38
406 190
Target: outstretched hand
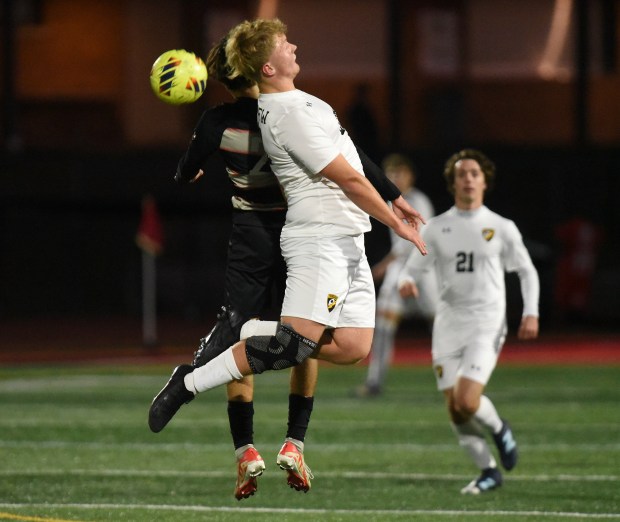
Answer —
410 219
410 233
406 212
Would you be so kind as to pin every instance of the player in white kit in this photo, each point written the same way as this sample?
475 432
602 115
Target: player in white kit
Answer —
329 303
391 307
471 247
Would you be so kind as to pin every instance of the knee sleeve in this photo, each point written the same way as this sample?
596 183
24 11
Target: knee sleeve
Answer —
223 335
283 350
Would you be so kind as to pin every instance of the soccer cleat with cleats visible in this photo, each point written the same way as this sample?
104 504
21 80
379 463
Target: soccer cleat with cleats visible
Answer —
507 446
249 466
490 479
168 401
291 459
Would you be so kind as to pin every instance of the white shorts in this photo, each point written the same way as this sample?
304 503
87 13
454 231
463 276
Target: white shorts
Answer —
328 281
389 299
463 347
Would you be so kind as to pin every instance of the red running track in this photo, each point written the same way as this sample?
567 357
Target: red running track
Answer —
560 349
113 340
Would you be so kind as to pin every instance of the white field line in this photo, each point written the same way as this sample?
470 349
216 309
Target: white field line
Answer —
128 421
205 447
362 475
158 508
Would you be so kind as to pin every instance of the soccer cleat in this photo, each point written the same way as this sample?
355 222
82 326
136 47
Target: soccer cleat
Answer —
491 478
249 466
170 398
507 446
291 460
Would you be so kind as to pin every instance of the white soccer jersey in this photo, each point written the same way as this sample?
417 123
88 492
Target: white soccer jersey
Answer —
471 250
302 135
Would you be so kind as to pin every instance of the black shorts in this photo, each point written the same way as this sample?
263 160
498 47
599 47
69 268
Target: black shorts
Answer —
255 271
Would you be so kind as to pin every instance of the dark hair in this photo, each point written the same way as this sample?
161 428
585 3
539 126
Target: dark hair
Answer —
218 68
486 165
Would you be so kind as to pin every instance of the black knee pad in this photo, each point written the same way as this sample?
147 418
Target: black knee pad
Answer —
224 334
287 348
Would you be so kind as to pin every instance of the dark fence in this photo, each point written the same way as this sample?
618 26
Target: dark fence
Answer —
68 223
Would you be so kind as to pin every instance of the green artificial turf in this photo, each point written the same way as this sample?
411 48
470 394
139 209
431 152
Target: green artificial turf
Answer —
75 445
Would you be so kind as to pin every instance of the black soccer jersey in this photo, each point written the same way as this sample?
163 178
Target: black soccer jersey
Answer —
231 130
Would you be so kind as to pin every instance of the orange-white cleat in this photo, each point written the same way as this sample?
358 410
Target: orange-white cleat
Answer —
249 466
291 459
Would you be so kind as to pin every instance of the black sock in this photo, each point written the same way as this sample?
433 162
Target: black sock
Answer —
241 420
299 411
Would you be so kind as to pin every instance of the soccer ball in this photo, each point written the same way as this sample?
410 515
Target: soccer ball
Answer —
178 77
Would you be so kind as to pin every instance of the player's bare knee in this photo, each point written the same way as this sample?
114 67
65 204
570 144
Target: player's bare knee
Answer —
357 354
463 407
285 349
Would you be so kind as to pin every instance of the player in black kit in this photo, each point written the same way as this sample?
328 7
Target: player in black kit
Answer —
254 268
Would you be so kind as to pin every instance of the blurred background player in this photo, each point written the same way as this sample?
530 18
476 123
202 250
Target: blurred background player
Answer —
471 247
391 307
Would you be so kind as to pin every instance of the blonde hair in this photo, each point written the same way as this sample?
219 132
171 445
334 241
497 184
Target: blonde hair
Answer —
249 46
486 165
218 69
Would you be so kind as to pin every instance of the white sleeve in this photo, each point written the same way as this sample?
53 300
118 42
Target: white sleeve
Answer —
302 135
517 259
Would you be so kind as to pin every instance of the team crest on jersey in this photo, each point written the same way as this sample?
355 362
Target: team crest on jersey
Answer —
439 371
331 301
488 233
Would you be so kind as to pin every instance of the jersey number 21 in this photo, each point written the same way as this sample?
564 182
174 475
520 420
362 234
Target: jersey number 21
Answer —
464 261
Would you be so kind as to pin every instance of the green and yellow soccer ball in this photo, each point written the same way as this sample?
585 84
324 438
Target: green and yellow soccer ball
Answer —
178 77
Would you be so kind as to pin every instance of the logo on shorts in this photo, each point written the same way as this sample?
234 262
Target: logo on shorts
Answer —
439 371
488 233
331 301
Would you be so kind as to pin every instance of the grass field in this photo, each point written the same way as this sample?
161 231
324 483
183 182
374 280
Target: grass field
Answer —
74 445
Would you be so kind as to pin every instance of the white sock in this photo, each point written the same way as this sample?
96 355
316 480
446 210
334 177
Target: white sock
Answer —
240 451
472 440
216 372
487 415
299 444
257 327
